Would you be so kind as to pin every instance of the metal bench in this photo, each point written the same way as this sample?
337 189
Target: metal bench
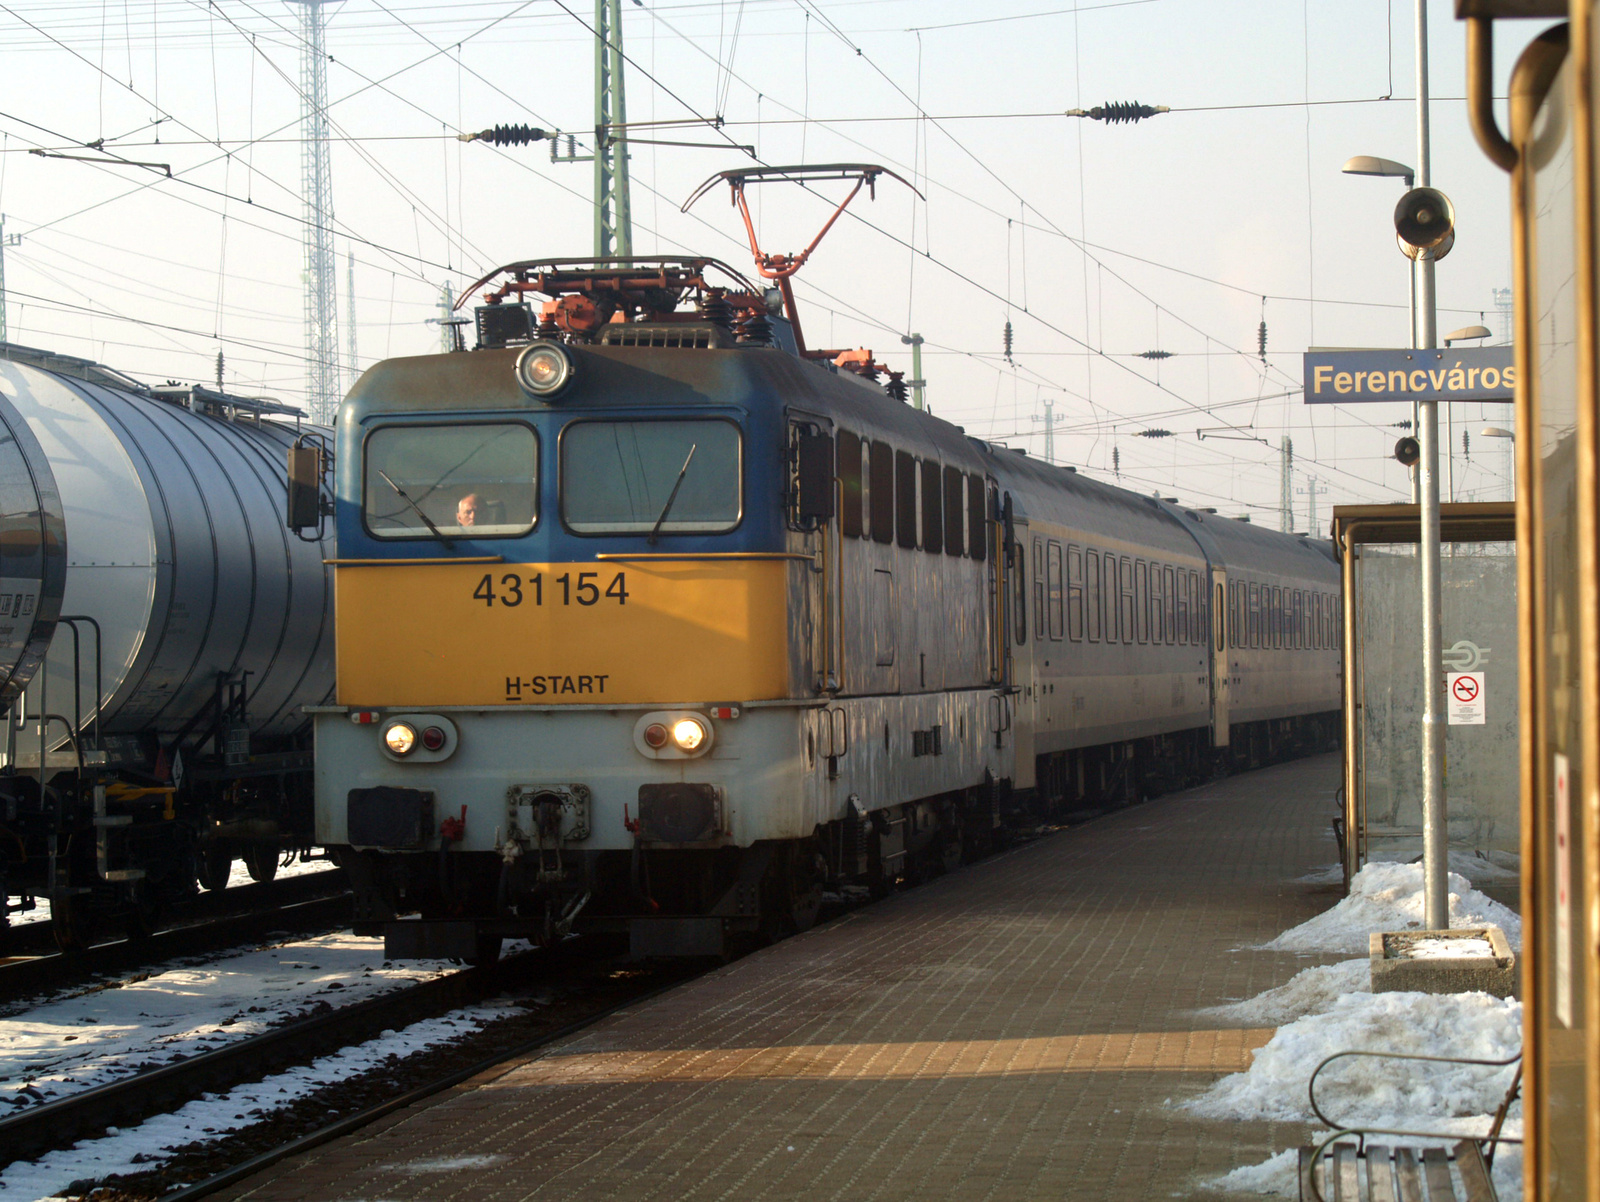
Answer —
1340 1170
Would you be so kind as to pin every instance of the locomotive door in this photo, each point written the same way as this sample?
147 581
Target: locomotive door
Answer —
1220 687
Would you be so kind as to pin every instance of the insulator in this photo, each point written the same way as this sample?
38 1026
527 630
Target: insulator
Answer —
1466 444
548 327
1154 354
896 387
1116 460
1117 112
1153 433
755 330
1261 341
714 307
510 135
1008 341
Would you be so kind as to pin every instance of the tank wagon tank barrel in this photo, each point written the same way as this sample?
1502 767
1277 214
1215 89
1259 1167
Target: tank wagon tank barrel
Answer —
161 735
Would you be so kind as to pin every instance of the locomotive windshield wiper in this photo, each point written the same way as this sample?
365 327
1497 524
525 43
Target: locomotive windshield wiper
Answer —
673 495
401 493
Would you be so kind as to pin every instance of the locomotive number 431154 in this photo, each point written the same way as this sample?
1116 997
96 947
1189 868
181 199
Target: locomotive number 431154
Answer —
569 588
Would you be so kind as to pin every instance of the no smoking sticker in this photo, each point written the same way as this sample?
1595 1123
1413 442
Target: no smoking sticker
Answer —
1463 695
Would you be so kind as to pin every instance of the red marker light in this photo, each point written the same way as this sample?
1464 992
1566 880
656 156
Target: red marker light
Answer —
432 738
725 712
364 717
655 736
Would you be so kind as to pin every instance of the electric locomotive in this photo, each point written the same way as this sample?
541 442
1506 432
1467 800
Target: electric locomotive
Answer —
653 620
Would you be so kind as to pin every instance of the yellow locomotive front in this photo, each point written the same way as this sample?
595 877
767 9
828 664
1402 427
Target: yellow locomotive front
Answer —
573 648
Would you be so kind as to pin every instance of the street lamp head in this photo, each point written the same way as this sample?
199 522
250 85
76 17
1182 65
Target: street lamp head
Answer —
1366 164
1466 334
1496 432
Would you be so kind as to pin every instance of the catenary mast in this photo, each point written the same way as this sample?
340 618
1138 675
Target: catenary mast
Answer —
613 214
316 184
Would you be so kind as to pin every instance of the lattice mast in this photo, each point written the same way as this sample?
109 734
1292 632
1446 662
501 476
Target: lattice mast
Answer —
1286 485
613 212
316 186
350 315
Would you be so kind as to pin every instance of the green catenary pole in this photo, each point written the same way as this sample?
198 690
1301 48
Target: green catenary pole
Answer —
613 214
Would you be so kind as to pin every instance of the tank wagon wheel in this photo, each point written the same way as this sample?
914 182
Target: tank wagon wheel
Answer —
261 861
72 920
212 869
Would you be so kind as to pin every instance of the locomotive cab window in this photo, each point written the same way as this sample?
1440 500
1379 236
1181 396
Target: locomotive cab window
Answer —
478 480
633 477
848 458
880 492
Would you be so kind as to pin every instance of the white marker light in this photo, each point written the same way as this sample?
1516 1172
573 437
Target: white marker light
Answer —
400 738
688 734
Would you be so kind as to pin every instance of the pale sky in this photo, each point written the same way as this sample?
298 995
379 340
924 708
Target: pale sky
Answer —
1097 242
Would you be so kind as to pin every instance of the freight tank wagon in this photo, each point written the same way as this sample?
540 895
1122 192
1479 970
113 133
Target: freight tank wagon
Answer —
166 631
651 621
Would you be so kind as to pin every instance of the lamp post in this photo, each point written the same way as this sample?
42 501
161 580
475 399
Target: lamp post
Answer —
1366 164
1425 225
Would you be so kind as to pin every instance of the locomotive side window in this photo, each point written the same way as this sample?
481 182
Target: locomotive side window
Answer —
479 480
1038 588
977 518
1126 574
1053 576
905 499
881 493
1075 593
932 507
848 457
1092 572
628 477
954 503
1176 610
1141 603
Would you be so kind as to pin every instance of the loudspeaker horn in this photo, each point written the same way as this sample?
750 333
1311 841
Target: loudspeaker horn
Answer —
1424 218
1408 451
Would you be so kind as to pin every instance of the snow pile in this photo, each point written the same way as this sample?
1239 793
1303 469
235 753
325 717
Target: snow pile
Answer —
1388 897
1370 1090
1405 1094
1448 949
139 1149
1310 992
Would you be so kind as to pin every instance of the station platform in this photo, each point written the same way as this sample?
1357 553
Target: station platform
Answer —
1020 1029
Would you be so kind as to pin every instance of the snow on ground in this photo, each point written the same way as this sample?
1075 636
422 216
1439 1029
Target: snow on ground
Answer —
1480 868
76 1042
138 1149
237 877
1311 991
1388 897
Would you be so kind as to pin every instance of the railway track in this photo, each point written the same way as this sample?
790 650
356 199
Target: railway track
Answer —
312 910
60 1123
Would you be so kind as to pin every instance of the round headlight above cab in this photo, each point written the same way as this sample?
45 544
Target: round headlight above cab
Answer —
544 369
400 738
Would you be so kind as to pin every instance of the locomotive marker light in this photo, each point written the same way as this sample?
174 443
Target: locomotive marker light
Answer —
673 735
401 738
688 733
545 369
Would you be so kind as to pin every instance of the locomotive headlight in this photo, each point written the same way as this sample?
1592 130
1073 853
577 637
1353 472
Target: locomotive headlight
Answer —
544 369
688 733
400 738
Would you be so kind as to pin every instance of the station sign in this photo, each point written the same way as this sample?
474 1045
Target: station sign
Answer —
1343 377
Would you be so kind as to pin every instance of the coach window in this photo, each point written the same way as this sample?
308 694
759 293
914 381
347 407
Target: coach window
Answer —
1113 579
905 499
1241 614
1018 557
1092 600
932 507
1138 613
849 459
955 489
1053 580
1169 608
1075 593
1038 588
1300 619
1253 618
422 480
1158 624
1197 609
977 518
1219 617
